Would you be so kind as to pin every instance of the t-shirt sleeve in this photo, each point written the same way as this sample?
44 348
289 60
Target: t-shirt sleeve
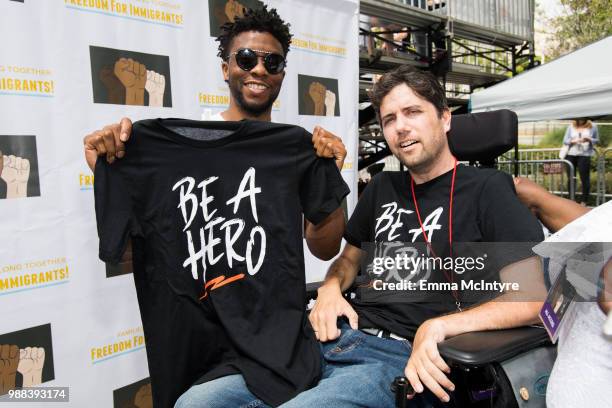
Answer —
359 227
504 219
114 214
322 188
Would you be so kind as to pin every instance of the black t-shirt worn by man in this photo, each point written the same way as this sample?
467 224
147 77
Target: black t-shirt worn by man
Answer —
485 209
214 211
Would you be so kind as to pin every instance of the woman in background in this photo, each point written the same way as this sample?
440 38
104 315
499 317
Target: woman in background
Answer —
580 137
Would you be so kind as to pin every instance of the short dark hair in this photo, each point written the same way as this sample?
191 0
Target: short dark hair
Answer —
422 83
261 20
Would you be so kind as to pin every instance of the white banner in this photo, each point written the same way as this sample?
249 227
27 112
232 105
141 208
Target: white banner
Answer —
68 320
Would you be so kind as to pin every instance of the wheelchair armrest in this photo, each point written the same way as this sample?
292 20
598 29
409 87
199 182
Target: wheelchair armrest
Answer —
480 348
311 288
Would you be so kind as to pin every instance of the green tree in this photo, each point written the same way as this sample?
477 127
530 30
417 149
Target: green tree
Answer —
583 22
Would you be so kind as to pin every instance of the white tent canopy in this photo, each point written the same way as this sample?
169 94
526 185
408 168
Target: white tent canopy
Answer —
576 85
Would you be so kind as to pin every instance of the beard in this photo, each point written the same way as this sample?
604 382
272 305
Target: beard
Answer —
422 163
425 160
254 109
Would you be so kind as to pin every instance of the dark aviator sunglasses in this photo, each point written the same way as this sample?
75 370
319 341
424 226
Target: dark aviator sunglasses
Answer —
247 59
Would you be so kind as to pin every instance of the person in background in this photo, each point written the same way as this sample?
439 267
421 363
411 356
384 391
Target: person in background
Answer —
580 137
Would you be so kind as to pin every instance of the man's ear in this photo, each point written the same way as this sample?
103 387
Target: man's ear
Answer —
446 119
225 70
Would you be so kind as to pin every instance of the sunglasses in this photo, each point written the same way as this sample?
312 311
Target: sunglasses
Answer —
247 59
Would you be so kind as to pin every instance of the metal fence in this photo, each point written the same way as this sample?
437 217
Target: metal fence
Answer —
602 195
544 167
558 176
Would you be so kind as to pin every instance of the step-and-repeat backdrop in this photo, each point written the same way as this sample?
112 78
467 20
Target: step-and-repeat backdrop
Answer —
66 318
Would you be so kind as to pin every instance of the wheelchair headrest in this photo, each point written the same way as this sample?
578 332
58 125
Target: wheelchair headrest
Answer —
483 136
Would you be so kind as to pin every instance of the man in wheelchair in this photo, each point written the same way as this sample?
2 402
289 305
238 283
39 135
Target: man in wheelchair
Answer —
436 205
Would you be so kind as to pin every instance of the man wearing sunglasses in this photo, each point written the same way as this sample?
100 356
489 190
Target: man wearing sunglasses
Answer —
239 370
253 63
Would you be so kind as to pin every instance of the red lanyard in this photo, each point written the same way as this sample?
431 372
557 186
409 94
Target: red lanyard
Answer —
450 226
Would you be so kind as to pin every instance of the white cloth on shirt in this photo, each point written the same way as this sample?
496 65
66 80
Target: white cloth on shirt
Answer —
582 374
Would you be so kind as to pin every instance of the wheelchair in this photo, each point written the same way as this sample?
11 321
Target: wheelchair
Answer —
503 368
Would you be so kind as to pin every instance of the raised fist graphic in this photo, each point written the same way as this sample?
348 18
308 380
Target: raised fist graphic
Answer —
330 103
9 358
15 172
233 10
317 94
115 90
31 362
143 397
155 86
133 75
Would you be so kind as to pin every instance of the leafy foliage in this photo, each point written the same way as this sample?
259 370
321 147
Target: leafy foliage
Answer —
583 22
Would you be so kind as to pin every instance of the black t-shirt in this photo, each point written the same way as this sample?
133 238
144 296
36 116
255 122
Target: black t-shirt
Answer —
214 210
485 209
2 188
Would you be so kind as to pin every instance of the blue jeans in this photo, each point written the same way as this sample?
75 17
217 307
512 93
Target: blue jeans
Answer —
223 392
358 370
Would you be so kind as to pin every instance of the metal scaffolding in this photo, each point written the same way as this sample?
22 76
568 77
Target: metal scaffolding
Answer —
467 44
